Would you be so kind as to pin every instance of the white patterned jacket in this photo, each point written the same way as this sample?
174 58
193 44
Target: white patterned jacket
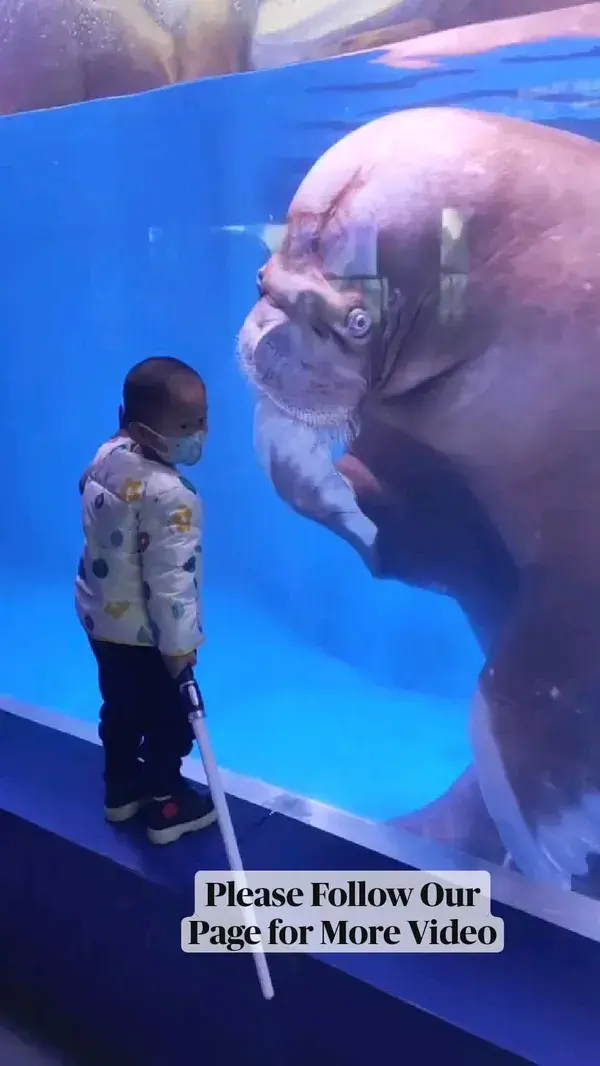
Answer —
140 576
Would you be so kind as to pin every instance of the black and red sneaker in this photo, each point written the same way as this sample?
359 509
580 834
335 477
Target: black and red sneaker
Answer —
123 799
171 817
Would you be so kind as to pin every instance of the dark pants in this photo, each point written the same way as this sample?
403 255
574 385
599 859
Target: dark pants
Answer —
141 718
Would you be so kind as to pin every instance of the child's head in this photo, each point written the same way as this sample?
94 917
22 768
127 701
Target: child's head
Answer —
165 409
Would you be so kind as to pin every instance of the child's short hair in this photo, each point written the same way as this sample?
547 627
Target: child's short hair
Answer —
151 385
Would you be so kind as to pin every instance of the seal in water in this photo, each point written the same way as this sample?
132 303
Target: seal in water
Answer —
436 304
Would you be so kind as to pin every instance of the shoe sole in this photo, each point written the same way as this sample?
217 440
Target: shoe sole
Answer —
114 815
175 832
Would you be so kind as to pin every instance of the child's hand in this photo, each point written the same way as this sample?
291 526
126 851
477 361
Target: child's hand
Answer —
176 664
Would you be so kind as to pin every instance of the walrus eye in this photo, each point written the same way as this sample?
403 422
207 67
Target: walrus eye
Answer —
358 322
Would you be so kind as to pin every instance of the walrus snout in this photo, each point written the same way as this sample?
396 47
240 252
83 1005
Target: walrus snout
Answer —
299 365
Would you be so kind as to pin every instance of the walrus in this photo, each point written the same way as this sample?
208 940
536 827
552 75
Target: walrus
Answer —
435 308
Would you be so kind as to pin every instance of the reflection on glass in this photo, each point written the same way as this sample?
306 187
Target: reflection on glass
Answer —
66 51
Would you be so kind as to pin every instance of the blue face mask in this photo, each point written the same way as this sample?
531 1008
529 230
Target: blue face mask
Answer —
176 450
184 450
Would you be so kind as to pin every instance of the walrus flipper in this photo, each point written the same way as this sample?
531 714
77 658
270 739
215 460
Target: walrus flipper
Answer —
535 730
299 464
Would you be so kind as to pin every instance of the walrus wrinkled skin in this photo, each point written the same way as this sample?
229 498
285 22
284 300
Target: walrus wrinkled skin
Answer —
436 301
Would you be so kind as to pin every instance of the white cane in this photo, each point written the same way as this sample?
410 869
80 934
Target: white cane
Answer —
194 705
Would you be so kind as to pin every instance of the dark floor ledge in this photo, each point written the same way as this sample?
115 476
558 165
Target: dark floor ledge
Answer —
89 926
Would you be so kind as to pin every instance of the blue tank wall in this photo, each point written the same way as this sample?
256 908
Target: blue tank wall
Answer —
112 250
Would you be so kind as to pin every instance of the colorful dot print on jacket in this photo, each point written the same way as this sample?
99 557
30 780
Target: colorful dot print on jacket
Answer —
181 519
138 579
131 490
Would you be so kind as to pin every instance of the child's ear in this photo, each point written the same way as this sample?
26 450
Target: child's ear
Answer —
133 430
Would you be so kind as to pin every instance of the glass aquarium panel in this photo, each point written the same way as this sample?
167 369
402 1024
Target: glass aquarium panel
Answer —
386 267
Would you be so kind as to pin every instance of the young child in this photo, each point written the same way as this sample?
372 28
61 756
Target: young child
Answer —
138 594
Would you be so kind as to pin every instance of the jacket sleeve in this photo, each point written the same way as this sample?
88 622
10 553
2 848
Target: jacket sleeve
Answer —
170 545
